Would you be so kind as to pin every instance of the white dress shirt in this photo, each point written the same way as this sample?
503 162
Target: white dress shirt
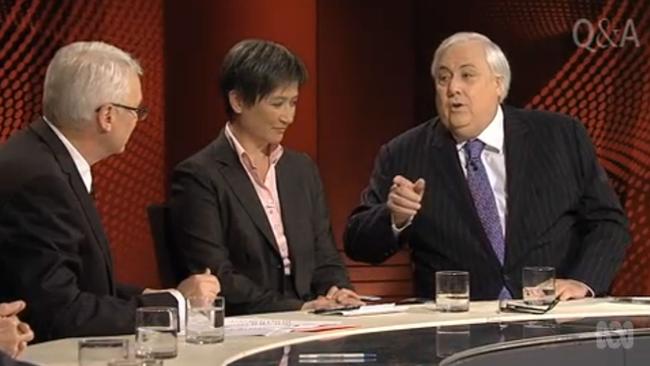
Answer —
494 160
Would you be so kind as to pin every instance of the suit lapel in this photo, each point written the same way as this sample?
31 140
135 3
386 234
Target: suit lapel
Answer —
518 148
88 206
289 193
242 187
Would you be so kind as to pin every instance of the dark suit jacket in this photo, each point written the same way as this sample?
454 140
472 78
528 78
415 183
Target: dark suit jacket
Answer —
561 211
5 360
219 222
54 253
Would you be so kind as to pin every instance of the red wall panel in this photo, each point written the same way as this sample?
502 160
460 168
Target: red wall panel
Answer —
31 31
199 35
365 97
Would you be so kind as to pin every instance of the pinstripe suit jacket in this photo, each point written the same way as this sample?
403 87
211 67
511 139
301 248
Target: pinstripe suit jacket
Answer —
5 360
562 211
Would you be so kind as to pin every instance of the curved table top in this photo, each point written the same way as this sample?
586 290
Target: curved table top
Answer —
64 352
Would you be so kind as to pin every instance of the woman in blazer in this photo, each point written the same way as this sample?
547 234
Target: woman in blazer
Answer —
251 210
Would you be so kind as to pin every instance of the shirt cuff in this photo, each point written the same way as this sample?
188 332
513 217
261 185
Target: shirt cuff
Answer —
182 307
396 230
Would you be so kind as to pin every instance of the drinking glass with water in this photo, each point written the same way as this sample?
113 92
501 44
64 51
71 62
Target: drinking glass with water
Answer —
452 291
538 285
99 351
205 320
156 332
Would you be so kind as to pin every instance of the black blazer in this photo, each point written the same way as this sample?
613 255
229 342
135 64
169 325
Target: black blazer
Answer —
54 253
561 210
219 222
5 360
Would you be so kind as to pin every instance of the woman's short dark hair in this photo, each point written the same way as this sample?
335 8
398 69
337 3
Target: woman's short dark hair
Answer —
254 68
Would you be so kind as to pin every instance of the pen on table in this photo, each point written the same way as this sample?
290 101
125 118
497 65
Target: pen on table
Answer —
369 298
336 309
336 355
553 303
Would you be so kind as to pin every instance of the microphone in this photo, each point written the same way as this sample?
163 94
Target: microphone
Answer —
473 165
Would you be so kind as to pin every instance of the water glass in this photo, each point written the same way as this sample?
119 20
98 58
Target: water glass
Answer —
205 320
156 332
452 291
99 351
538 285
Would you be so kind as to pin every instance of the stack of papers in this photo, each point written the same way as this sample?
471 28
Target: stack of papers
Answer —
268 327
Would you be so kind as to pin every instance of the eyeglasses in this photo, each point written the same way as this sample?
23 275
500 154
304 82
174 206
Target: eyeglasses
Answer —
141 112
518 307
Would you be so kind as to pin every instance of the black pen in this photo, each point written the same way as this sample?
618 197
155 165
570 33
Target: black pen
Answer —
553 303
335 310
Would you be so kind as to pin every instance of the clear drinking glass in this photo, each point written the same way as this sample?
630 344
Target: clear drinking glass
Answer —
205 320
156 332
538 285
452 291
99 351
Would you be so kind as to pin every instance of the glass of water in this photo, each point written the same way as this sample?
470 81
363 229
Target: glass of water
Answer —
452 291
156 329
99 351
205 320
538 285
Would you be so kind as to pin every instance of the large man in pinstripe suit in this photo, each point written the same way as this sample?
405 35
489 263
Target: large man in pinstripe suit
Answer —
546 200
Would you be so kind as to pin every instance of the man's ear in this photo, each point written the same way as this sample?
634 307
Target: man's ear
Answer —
236 101
104 118
500 87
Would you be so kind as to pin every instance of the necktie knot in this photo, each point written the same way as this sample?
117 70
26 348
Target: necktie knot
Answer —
473 148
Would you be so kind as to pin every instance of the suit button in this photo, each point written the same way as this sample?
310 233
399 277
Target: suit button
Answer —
507 278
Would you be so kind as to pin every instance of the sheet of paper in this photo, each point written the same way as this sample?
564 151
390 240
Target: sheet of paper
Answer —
267 327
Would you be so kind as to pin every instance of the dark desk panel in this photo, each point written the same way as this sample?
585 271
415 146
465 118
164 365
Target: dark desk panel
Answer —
592 341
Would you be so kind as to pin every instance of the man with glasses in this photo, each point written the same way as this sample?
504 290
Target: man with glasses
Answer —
54 253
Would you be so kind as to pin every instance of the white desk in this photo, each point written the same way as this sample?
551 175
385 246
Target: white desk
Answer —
64 352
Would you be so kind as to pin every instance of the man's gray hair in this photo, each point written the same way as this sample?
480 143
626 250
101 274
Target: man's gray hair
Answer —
83 76
494 56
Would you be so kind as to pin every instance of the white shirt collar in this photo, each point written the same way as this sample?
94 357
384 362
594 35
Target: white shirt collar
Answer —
82 165
492 135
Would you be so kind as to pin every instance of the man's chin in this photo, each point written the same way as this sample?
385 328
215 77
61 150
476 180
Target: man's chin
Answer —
462 130
457 123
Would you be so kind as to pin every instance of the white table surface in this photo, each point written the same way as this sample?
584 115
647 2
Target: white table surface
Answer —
64 351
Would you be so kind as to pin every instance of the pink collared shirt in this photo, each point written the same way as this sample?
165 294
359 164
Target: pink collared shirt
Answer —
267 192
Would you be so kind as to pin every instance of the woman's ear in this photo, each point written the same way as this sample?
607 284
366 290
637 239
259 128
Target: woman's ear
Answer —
236 101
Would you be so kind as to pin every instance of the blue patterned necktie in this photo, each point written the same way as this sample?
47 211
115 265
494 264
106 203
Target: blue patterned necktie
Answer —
484 201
